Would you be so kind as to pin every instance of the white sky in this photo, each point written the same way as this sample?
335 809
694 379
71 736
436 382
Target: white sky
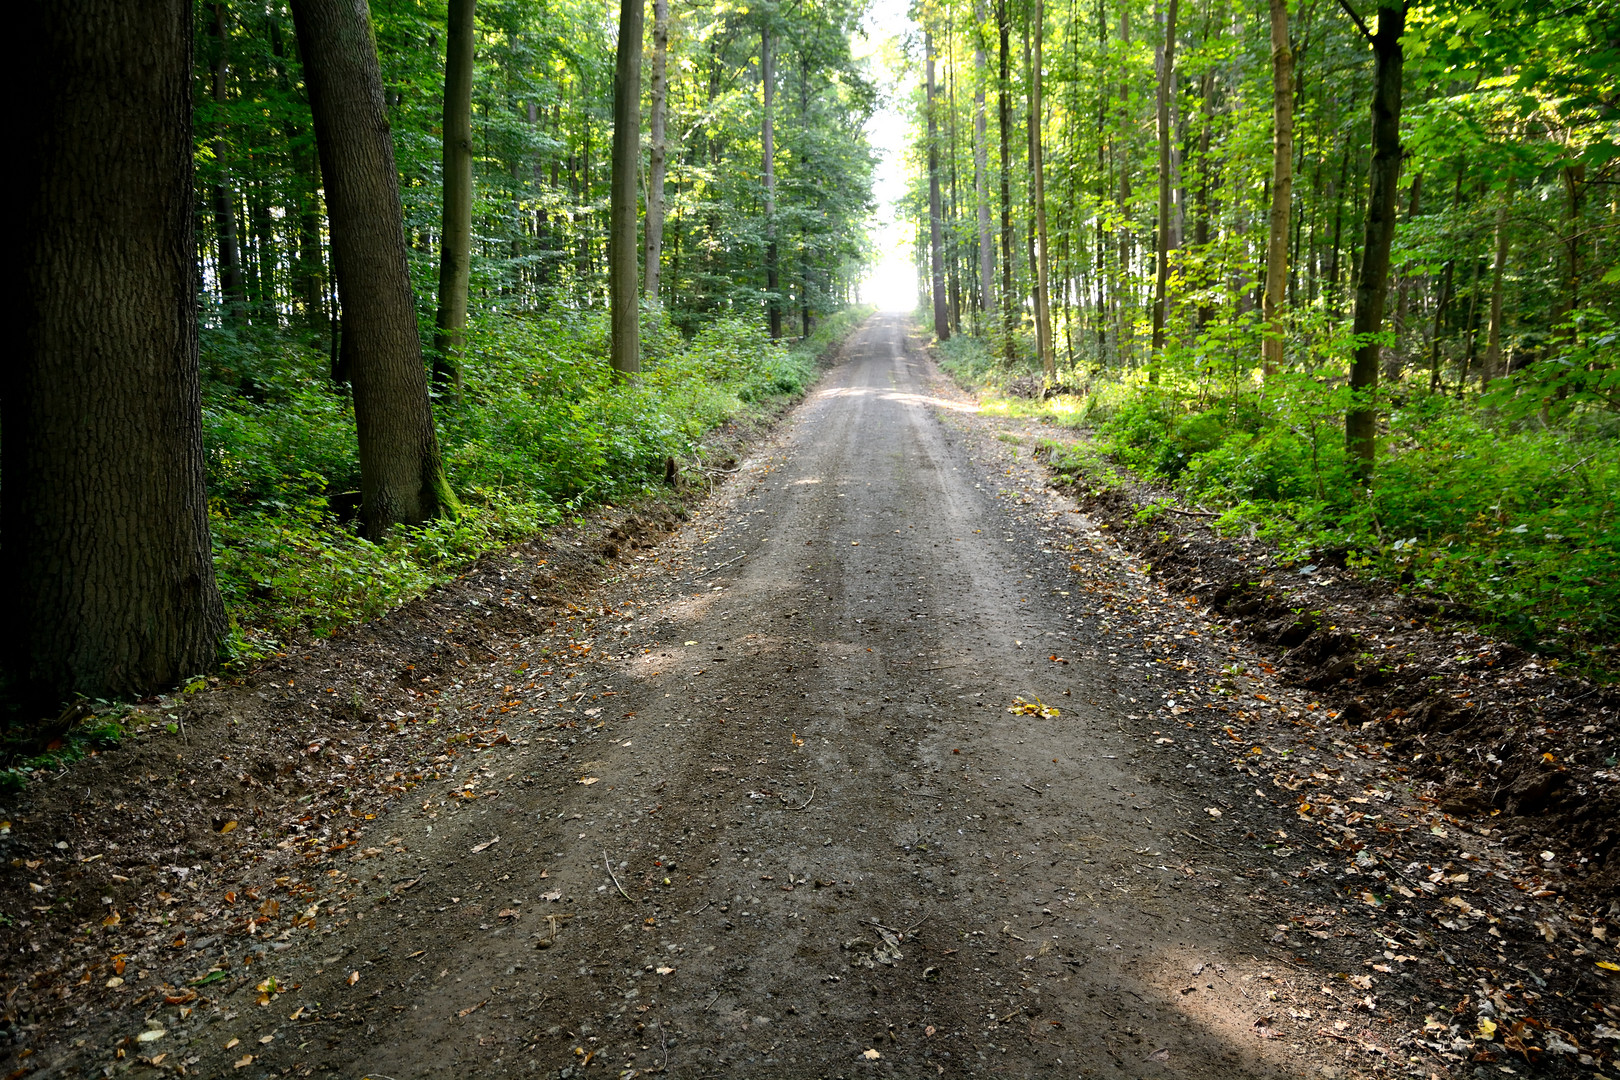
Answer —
891 281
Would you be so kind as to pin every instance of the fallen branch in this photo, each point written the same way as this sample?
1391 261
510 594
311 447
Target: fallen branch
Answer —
614 877
807 802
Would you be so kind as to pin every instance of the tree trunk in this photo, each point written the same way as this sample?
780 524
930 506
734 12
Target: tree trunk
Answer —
1282 186
936 254
1043 300
1439 317
455 231
1161 258
1493 340
981 169
102 508
232 291
624 303
659 151
1372 282
767 138
1009 307
402 478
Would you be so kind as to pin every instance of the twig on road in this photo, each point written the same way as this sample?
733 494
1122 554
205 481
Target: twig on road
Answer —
712 1000
614 877
807 802
699 911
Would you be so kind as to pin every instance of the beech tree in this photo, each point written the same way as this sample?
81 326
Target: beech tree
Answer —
623 278
402 478
455 233
103 516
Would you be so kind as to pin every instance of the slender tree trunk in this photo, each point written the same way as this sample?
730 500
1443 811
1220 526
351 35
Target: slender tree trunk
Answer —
455 230
231 288
402 478
1043 299
767 138
952 235
1372 283
659 150
1161 258
987 255
1492 367
624 303
1009 305
103 514
1282 185
936 255
1439 317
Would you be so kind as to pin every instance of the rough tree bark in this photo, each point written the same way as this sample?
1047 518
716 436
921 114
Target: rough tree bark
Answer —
1372 281
102 509
401 474
1043 299
1009 305
1282 185
987 255
228 249
659 150
767 138
936 253
624 304
455 231
1161 257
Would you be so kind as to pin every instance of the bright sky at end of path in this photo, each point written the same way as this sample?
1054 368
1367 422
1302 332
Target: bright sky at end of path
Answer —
891 282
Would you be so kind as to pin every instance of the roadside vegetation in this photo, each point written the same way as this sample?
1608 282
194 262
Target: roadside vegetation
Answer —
540 431
1505 503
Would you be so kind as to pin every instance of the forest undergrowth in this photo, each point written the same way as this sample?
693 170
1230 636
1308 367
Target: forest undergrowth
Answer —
540 430
1504 507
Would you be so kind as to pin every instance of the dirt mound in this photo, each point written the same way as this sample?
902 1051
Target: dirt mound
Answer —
1487 730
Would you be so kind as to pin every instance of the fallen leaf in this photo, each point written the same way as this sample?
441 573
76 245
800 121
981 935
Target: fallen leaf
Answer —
232 1044
508 913
229 826
665 970
1161 1054
1360 982
243 1062
588 780
157 1059
152 1035
487 843
469 1010
354 977
1608 966
554 894
1487 1029
870 1055
296 1013
267 1040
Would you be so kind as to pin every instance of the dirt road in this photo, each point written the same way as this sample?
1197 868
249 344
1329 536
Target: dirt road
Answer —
796 830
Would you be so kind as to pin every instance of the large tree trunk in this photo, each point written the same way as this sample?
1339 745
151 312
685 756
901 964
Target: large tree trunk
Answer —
1161 257
1282 185
767 138
981 190
228 247
102 509
1372 282
401 475
1043 300
936 254
624 279
1009 304
659 150
455 231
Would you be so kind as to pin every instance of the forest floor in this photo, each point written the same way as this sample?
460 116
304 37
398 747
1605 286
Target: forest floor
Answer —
891 761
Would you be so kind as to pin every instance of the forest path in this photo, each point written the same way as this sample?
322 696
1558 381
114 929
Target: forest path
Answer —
839 851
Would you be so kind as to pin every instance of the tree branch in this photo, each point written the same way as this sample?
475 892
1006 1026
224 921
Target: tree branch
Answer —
1350 11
